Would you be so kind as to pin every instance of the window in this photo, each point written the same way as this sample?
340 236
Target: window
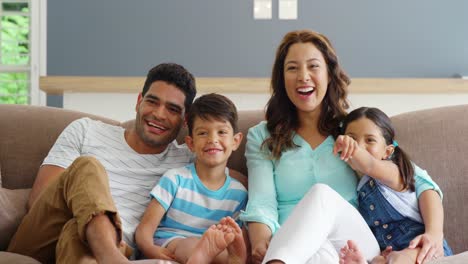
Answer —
19 54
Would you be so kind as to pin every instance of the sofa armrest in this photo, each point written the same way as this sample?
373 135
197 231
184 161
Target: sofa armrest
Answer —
12 210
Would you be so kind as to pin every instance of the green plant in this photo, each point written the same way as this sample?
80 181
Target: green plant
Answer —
14 86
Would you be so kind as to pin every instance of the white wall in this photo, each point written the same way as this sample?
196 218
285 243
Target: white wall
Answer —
121 106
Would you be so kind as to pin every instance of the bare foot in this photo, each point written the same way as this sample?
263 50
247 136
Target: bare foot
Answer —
387 251
237 250
350 254
214 241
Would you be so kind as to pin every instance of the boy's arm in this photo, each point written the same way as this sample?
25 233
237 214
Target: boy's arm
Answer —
432 212
145 232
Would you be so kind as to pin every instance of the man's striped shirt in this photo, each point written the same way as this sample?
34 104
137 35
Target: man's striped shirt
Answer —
131 175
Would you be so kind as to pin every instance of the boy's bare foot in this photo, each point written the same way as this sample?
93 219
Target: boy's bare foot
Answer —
214 241
350 254
237 250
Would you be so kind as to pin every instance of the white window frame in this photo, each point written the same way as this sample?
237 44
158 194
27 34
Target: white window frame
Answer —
37 50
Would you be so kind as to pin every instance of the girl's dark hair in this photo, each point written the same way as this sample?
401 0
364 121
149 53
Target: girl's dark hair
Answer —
213 106
281 113
399 157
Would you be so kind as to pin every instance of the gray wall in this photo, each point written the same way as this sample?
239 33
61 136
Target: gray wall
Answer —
220 38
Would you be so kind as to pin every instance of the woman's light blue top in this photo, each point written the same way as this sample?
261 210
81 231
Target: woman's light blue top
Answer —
275 187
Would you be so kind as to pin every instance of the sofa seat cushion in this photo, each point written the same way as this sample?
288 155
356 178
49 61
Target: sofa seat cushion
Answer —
13 208
7 257
461 258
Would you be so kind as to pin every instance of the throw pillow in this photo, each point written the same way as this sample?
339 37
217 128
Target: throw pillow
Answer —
13 208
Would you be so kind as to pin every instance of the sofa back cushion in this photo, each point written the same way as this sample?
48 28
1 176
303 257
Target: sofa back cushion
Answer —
436 140
26 135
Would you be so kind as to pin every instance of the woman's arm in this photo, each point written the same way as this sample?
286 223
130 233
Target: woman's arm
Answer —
260 236
432 212
145 232
261 212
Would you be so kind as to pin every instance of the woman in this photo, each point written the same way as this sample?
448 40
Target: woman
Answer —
291 163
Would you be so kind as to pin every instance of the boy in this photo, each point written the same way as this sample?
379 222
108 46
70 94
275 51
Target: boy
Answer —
201 197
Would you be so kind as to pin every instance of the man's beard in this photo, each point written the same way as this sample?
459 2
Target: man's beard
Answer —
162 141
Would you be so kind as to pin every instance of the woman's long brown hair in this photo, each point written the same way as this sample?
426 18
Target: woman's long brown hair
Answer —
281 113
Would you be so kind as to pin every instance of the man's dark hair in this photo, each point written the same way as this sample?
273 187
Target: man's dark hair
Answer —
176 75
213 106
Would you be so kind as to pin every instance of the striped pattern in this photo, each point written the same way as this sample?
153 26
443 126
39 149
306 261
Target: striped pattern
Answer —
131 175
191 208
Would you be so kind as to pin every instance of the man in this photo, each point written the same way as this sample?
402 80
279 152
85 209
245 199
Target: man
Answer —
93 186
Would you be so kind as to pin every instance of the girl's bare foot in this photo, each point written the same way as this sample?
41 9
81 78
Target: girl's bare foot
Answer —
350 254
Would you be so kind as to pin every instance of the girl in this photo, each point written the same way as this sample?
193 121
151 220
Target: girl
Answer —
386 190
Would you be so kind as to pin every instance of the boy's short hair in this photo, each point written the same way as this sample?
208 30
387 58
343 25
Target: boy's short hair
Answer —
212 106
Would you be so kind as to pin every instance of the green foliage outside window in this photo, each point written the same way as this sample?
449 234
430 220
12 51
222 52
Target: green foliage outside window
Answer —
14 86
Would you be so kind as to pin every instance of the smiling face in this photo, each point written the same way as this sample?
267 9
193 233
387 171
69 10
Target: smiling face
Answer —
160 115
369 136
212 141
305 76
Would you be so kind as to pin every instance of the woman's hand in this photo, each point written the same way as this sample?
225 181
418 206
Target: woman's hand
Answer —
259 250
431 247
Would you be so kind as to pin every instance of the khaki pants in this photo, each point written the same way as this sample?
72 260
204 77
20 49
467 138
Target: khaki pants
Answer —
54 229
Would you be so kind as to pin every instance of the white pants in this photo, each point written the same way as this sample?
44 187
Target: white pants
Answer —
318 227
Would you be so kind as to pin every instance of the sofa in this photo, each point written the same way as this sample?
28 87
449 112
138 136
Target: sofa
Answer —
436 139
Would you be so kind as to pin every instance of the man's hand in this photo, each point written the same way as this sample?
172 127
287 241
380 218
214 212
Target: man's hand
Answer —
431 247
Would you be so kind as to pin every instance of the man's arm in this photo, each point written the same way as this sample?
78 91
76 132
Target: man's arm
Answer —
65 150
46 175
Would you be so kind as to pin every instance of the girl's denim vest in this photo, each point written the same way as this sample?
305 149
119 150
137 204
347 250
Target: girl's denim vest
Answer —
390 228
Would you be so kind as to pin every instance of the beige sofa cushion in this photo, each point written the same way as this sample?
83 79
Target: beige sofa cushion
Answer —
7 257
13 208
461 258
436 141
